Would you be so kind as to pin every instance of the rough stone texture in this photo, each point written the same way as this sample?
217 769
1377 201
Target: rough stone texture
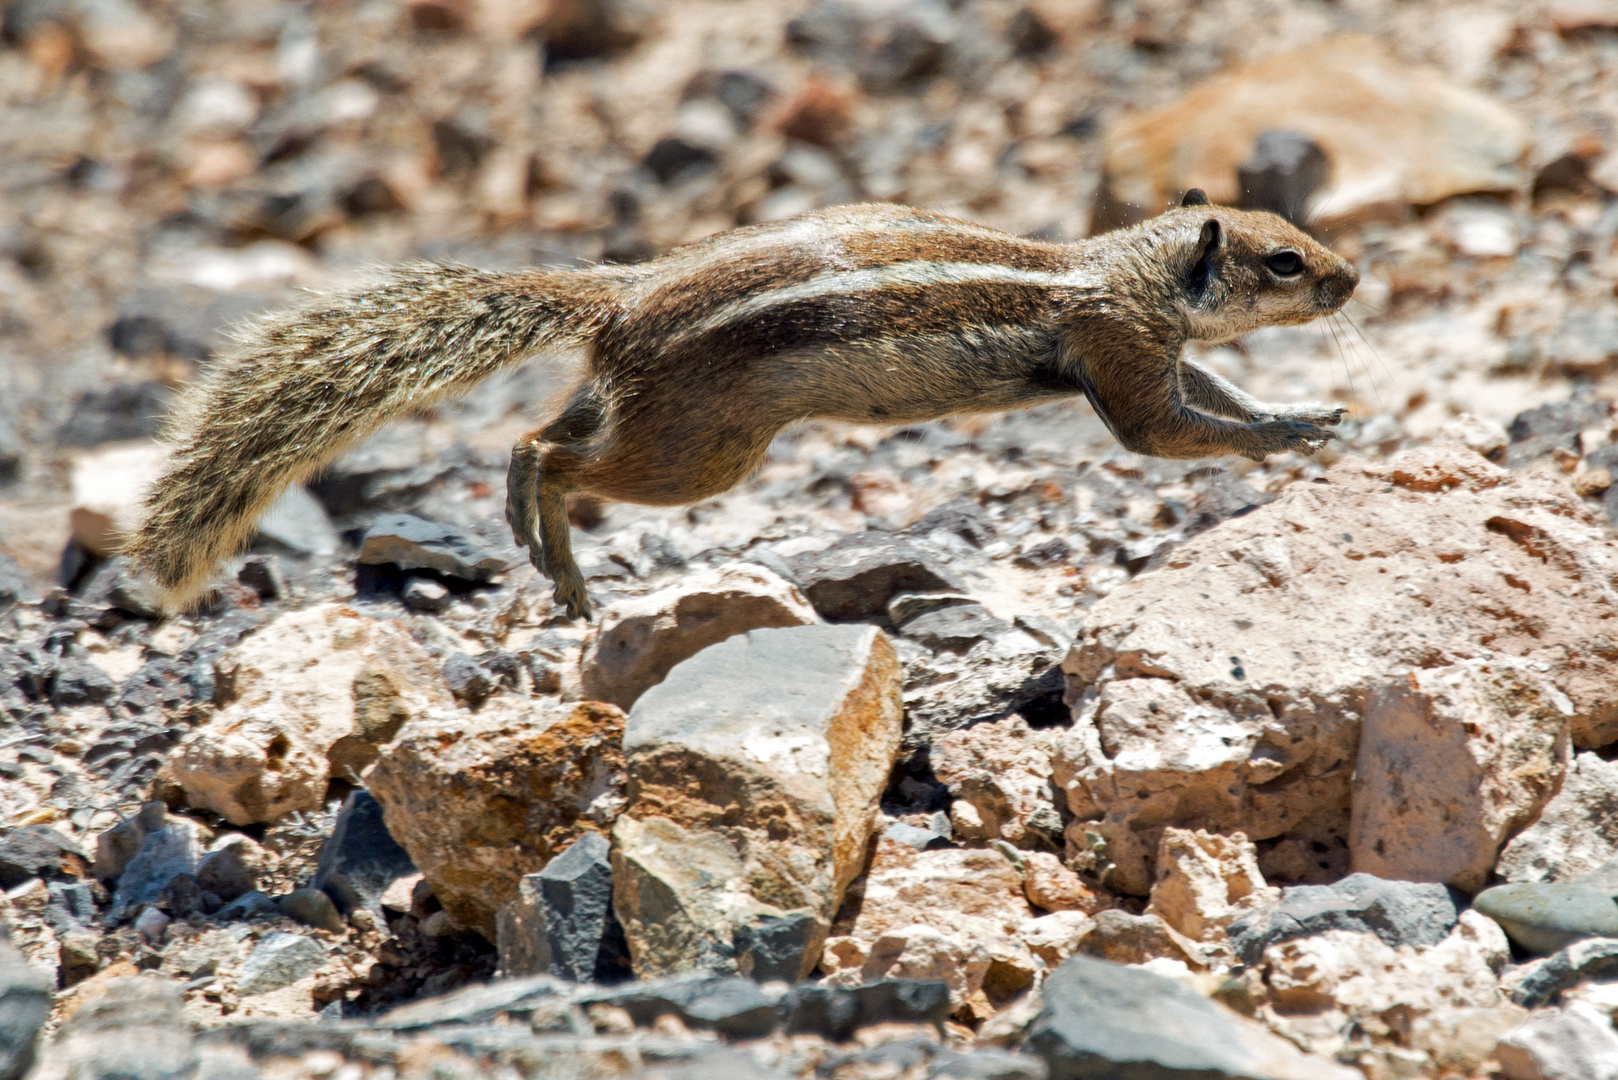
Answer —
361 859
413 543
1050 885
1199 703
519 938
165 852
1576 1042
1397 912
855 577
36 851
1103 1020
747 806
575 889
25 1002
1543 917
279 959
1452 761
1583 961
481 799
642 638
951 914
310 696
133 1027
1576 832
998 675
1055 937
1394 134
1205 881
1000 775
1123 938
232 866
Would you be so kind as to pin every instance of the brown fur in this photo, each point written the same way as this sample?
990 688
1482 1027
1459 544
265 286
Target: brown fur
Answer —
878 313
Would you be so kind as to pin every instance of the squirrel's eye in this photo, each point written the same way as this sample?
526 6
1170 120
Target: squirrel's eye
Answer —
1284 263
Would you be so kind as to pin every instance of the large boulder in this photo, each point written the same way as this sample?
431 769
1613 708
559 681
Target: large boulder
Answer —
481 799
643 637
310 696
1226 690
757 766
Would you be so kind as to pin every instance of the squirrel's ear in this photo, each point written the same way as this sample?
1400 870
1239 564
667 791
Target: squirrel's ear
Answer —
1195 197
1207 244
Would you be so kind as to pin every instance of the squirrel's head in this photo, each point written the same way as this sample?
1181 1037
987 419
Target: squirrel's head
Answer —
1239 270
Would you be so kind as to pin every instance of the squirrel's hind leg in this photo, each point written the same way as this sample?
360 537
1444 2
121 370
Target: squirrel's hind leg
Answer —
543 466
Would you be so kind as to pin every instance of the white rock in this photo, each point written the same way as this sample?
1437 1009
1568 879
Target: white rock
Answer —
1576 1042
1576 832
1000 776
109 484
1205 881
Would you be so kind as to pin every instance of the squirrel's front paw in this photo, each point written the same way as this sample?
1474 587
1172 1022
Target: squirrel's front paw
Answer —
1279 436
571 593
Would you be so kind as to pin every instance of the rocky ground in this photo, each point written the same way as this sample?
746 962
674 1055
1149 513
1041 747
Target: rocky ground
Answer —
973 749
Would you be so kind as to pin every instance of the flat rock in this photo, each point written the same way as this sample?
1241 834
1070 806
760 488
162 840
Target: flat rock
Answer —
308 697
642 638
413 543
1576 1042
25 1003
361 859
736 1008
854 578
1105 1020
479 800
1589 960
1200 705
757 765
1577 831
477 1004
1393 134
35 851
1544 917
279 959
1398 912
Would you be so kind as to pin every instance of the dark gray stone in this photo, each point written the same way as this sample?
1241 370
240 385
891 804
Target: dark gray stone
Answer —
468 680
312 908
1280 174
1590 960
25 1003
734 1007
903 1001
1538 431
72 904
1398 912
123 411
576 890
361 858
854 578
915 47
33 851
814 1009
248 905
182 896
262 574
774 946
14 585
413 543
164 852
279 959
956 628
225 870
80 682
297 522
1105 1021
1543 917
477 1004
116 847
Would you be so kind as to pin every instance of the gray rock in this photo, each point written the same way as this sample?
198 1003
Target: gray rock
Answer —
1281 173
477 1004
989 1065
1398 912
361 858
248 905
14 584
468 680
25 1002
1543 917
312 908
182 896
33 851
80 682
262 574
962 518
170 850
576 889
1589 960
1573 1043
135 1030
734 1007
519 932
297 522
1103 1020
413 543
119 412
854 578
920 839
830 1011
425 594
902 1001
230 868
72 904
117 587
772 947
1540 430
279 959
955 628
119 844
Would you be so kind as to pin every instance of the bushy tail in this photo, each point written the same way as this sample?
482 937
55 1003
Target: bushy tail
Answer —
307 385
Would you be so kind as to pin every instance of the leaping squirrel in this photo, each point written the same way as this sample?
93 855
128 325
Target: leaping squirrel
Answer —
696 359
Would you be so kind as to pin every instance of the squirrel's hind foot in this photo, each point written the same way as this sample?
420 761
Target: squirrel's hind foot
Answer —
1321 415
1279 436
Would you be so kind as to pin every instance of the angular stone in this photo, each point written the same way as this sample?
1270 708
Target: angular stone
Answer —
642 638
734 1007
1103 1020
520 939
279 959
361 859
296 521
1003 770
1543 917
1123 938
1205 881
854 578
131 1027
308 697
249 905
481 799
576 888
1576 833
1403 560
165 852
232 866
1398 912
1050 885
1055 937
1576 1042
413 543
1451 762
312 908
478 1004
750 806
1590 960
1007 672
25 1003
118 845
1393 134
35 851
955 628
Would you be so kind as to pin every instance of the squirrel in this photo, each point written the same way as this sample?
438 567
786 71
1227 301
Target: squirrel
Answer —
872 313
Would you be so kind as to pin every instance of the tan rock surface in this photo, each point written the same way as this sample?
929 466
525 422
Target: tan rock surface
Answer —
642 638
1002 770
1575 833
1050 885
1393 134
1225 690
757 766
309 696
481 799
1452 761
1205 881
